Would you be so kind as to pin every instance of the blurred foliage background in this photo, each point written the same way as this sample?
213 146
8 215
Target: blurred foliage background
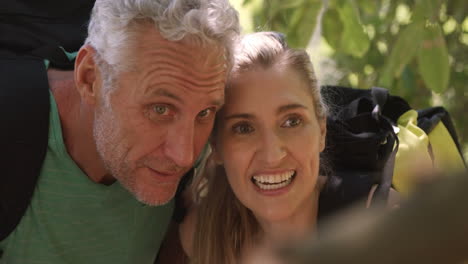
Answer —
418 49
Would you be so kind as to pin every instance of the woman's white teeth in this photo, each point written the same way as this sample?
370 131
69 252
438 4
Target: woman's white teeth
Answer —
273 181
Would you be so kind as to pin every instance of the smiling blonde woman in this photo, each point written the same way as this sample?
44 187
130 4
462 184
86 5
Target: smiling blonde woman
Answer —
262 178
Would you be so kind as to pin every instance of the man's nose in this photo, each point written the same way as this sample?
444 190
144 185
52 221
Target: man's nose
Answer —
272 148
180 145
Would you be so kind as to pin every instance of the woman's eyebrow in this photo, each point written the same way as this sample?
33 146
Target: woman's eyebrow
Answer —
242 116
281 109
285 108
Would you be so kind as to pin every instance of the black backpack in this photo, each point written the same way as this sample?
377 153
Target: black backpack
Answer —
362 143
41 29
30 32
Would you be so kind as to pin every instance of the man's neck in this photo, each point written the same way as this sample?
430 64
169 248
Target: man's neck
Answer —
77 126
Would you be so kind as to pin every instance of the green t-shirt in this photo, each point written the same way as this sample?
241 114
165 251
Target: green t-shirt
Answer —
74 220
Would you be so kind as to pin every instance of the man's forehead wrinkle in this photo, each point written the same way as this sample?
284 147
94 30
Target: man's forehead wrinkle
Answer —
215 86
182 79
207 57
183 75
172 71
177 66
151 39
215 50
182 66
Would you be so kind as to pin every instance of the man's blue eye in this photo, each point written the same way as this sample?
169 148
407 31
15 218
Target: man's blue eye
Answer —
205 113
160 109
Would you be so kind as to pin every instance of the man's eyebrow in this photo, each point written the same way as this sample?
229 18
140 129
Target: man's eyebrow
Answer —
288 107
242 116
165 93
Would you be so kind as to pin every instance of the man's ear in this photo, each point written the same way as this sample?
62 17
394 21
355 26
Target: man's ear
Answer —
87 77
323 133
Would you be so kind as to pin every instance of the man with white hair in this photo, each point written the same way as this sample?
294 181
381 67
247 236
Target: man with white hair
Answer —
128 123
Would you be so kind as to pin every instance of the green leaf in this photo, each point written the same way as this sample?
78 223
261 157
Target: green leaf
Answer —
368 6
386 79
302 23
332 28
295 18
433 59
259 15
354 40
457 9
402 52
293 3
407 86
277 10
427 9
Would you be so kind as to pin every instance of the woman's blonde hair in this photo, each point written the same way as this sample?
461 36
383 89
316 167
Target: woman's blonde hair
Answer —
225 226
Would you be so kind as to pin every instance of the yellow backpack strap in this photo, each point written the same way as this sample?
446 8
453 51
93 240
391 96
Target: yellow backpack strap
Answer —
412 153
426 145
446 149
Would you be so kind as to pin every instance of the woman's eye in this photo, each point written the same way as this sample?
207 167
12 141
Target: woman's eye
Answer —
242 129
292 122
161 109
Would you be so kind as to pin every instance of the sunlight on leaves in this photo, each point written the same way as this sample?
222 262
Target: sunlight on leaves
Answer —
354 40
433 59
403 52
403 14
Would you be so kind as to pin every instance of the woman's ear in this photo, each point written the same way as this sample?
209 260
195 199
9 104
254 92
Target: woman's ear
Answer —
86 74
323 133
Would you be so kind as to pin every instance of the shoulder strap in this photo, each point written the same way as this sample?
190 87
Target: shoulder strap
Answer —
428 119
380 97
24 121
31 31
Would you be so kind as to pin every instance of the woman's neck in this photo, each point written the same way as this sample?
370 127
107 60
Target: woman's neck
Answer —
274 233
299 224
